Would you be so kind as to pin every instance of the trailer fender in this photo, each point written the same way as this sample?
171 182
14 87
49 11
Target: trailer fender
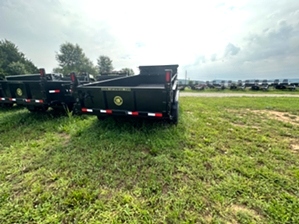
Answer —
175 113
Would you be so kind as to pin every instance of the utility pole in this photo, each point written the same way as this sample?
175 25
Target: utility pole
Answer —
185 77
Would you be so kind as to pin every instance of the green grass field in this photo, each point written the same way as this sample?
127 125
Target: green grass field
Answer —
229 160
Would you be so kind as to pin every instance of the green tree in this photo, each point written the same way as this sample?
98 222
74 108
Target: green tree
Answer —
129 71
88 67
104 64
17 68
71 58
57 70
14 62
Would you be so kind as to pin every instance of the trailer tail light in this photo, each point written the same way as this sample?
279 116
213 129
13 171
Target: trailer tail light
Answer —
155 114
54 91
42 72
168 76
135 113
73 77
86 110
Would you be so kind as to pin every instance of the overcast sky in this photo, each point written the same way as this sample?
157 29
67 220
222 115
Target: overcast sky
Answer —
215 39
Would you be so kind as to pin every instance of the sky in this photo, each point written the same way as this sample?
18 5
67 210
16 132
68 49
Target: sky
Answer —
215 39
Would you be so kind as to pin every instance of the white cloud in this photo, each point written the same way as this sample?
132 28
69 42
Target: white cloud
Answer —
194 34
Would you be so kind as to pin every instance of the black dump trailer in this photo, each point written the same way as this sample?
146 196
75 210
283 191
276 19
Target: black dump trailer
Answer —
38 92
151 94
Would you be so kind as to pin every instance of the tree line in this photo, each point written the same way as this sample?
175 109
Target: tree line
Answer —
14 62
70 58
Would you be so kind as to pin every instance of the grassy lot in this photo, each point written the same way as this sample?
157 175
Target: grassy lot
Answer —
229 160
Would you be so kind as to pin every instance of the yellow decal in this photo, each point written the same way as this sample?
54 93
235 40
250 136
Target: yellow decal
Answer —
19 92
118 100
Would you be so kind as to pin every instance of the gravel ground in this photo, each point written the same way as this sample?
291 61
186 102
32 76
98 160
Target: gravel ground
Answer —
203 94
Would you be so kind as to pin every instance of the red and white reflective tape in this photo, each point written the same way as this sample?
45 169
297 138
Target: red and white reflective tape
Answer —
12 99
133 113
2 98
155 114
54 91
39 101
27 100
106 111
86 110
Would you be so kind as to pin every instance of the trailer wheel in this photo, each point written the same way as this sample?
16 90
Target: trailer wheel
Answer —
175 113
35 109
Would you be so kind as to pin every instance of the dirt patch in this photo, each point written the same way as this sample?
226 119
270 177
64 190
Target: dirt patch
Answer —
240 114
241 208
280 116
208 218
293 144
276 115
295 147
65 138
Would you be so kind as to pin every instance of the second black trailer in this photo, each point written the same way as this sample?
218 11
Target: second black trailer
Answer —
38 92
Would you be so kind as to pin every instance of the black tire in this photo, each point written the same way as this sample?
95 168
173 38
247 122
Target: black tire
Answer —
63 108
38 109
175 113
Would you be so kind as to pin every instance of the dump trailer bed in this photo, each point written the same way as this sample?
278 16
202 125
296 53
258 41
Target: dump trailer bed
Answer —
17 89
37 92
151 94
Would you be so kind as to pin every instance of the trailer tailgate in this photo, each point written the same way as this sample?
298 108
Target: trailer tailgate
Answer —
126 99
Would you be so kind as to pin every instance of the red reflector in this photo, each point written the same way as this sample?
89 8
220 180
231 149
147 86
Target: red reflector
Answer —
168 75
73 78
27 100
54 91
135 113
158 115
108 111
84 109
